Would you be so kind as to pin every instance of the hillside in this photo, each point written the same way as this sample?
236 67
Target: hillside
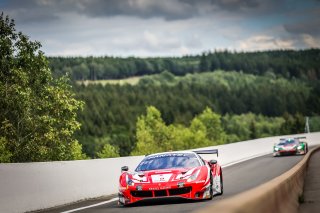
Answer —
302 64
251 106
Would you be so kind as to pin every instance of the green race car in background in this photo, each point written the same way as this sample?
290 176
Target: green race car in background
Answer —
290 146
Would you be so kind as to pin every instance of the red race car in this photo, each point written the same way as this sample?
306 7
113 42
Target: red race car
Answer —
183 174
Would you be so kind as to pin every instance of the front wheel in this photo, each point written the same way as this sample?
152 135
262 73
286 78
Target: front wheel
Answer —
211 188
306 149
221 184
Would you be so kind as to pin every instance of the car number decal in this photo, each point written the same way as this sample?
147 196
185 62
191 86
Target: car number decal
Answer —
161 178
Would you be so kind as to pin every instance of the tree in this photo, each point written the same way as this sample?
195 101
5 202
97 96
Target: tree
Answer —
253 130
37 112
204 63
212 123
109 151
154 136
293 124
5 154
151 133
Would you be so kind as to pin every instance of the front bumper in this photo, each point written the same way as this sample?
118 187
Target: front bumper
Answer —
288 152
193 190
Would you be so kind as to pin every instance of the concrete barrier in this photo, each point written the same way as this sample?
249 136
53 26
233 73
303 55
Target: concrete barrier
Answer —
281 194
33 186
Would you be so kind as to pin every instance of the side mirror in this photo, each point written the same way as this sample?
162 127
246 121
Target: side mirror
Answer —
124 168
213 162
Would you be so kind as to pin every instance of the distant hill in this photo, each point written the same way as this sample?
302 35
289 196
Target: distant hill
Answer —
303 64
250 105
257 94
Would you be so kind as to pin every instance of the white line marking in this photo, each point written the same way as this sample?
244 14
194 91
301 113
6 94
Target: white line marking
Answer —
94 205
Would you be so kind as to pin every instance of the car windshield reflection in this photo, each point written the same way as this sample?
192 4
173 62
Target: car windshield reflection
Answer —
287 142
168 161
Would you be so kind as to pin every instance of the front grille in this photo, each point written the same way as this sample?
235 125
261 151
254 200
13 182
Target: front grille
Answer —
141 193
160 193
179 191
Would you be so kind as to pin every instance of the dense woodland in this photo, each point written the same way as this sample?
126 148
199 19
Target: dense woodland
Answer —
179 103
302 64
256 94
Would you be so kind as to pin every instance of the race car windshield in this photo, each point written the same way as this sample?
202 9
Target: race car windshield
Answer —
168 161
287 142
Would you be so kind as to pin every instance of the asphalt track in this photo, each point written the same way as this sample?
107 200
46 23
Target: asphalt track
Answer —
237 178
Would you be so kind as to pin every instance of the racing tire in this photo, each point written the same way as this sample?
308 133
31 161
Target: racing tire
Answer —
211 189
221 183
306 149
119 201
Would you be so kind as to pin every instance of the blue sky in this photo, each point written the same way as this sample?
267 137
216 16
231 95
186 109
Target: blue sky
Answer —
165 28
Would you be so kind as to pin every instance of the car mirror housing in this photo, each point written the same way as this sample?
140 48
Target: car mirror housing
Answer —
213 162
124 168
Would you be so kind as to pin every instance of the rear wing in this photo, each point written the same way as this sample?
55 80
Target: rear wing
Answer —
302 137
208 151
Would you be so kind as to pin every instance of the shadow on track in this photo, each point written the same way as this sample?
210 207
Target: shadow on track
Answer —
161 201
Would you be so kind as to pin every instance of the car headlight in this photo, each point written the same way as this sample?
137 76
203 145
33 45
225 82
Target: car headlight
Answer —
299 147
276 148
129 181
194 176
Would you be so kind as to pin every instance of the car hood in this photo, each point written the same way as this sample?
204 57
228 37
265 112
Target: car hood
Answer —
287 146
163 175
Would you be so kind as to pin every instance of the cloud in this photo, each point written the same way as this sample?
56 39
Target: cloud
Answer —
264 42
309 26
166 9
310 41
166 27
118 36
235 5
169 10
151 39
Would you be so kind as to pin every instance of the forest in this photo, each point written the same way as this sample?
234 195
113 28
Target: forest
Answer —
255 94
302 64
55 108
251 106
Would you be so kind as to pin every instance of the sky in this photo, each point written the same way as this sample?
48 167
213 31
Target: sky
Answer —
151 28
